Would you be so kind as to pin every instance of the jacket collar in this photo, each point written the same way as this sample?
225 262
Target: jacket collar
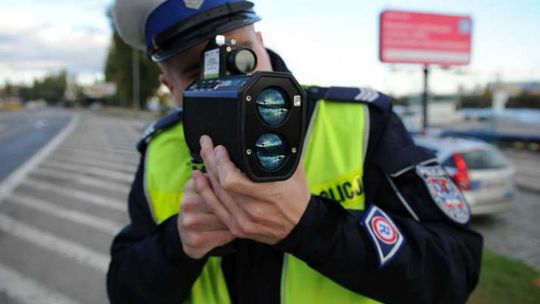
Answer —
278 64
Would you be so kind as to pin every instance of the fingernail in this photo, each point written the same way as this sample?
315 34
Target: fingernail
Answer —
203 140
195 176
220 150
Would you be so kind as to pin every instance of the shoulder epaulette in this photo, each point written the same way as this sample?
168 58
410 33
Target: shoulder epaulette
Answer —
361 95
159 126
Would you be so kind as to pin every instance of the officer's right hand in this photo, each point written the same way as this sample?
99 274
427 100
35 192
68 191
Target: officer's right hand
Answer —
200 230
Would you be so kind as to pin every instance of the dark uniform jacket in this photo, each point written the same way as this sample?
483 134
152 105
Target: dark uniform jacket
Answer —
438 263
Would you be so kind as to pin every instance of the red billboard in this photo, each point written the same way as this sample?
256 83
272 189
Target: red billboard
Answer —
410 37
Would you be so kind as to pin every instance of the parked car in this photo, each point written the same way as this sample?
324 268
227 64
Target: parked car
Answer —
479 169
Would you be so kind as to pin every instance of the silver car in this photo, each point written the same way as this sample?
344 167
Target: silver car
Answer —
479 169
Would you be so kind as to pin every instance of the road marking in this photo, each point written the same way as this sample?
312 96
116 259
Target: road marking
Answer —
97 156
78 195
132 154
78 160
103 173
126 144
100 224
40 124
105 147
28 291
17 176
82 179
55 244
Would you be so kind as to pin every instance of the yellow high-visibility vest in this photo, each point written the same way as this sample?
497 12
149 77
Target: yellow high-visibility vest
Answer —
334 153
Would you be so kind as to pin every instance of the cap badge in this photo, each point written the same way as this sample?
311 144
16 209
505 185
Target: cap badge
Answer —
193 4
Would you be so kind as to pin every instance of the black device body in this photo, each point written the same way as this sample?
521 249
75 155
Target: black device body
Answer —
259 118
226 109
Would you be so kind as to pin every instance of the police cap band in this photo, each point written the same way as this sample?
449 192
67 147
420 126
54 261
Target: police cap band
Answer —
167 27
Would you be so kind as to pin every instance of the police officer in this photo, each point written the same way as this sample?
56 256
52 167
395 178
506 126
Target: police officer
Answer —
367 217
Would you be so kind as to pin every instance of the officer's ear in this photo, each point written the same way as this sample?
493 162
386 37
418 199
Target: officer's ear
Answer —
264 62
175 90
260 37
167 82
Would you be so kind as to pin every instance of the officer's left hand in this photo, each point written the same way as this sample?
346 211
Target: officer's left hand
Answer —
265 212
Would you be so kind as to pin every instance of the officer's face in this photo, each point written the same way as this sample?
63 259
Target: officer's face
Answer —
184 68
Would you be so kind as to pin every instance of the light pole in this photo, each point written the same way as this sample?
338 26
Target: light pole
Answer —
135 78
425 100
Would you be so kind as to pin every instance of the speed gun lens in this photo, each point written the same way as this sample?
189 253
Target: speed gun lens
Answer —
270 151
272 107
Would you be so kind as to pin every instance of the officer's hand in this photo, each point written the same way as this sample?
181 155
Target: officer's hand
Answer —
265 212
200 229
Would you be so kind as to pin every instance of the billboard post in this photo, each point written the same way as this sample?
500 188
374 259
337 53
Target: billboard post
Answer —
426 39
425 99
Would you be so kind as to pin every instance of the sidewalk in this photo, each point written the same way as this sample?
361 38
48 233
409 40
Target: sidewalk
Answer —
57 225
128 113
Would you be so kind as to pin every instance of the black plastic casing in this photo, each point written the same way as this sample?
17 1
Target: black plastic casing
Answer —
226 110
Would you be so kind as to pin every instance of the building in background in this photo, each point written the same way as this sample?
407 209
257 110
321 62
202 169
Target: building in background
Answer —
100 93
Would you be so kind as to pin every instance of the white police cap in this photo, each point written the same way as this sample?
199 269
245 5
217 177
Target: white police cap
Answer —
167 27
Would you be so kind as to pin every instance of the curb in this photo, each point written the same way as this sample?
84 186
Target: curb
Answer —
529 188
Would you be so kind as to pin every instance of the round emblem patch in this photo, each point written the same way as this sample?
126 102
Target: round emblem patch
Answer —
384 230
445 193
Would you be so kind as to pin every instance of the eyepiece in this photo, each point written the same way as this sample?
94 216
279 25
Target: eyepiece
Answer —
242 61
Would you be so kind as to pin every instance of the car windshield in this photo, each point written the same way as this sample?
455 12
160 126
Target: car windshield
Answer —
483 159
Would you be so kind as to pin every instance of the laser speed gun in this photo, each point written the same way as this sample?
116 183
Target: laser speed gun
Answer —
258 117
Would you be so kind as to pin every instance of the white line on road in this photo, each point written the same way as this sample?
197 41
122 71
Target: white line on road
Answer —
94 163
78 195
28 291
98 156
82 179
104 173
17 176
40 124
100 224
127 153
55 244
103 147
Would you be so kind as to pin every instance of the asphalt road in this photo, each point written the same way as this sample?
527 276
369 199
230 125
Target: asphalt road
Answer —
23 133
57 225
514 233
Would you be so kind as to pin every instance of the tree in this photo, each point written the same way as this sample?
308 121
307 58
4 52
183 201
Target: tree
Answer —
51 88
119 69
524 100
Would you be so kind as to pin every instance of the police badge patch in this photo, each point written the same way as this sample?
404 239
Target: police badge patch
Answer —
445 193
384 234
194 4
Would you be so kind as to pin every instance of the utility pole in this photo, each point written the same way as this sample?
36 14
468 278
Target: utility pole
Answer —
425 100
136 79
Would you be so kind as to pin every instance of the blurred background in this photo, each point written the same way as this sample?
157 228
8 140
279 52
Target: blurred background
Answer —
74 100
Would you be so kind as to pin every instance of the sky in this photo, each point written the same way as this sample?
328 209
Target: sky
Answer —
323 42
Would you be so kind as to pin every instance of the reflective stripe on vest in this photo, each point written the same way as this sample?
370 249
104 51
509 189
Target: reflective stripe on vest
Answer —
333 158
334 162
167 169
